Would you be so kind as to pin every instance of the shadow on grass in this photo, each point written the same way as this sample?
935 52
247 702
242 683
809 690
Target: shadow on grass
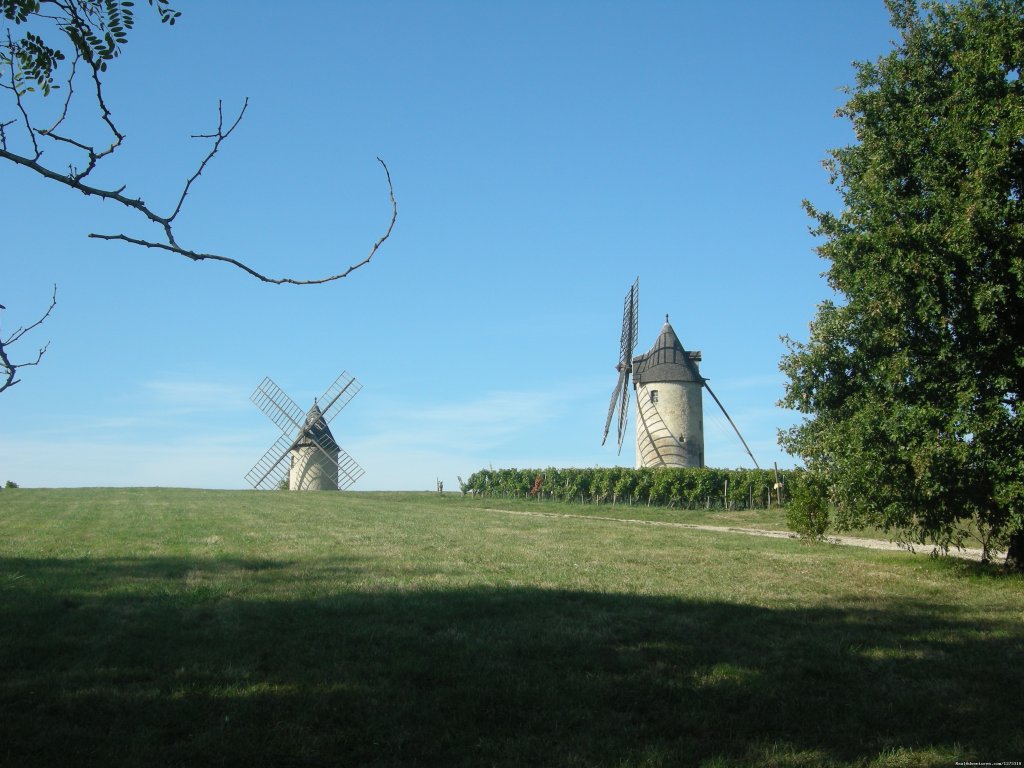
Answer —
181 662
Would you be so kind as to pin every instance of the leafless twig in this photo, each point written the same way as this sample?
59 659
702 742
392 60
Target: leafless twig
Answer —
8 368
172 247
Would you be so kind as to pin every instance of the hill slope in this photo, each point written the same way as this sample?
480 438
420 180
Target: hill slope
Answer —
181 627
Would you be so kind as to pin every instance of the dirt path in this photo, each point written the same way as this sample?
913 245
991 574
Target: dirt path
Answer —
847 541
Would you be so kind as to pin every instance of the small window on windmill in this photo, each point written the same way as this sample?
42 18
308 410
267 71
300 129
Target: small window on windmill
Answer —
654 395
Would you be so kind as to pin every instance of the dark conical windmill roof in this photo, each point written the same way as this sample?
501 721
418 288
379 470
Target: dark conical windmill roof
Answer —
667 360
316 429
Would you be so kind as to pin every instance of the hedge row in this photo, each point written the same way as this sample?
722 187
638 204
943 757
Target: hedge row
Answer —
671 487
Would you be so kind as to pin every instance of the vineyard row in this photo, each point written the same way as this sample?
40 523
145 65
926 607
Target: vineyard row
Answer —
684 488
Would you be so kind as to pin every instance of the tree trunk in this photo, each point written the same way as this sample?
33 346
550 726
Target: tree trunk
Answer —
1015 553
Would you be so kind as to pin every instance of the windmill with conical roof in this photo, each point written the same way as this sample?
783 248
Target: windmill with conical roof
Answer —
669 404
315 461
669 396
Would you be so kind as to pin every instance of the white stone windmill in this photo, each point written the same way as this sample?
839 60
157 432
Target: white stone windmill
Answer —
669 402
315 460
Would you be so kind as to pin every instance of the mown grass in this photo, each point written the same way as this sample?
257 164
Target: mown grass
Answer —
764 519
176 627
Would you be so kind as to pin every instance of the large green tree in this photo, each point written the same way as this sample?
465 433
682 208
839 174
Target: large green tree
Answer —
911 378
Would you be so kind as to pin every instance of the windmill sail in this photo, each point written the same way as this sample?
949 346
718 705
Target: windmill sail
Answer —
337 396
269 472
623 407
277 406
630 312
627 343
616 393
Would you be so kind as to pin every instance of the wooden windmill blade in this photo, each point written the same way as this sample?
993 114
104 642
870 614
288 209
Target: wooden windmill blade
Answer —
338 395
348 470
630 312
278 407
627 343
268 473
611 406
624 403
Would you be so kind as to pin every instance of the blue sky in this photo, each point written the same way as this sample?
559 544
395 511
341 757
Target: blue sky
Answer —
543 156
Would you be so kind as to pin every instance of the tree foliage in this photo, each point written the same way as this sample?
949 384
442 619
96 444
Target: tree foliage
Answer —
911 380
96 30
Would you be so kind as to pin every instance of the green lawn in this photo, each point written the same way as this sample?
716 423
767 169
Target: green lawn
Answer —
766 519
161 627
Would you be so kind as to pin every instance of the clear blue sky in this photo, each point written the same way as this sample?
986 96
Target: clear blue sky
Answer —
544 154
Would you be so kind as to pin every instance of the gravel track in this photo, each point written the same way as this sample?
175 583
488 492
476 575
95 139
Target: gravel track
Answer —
846 541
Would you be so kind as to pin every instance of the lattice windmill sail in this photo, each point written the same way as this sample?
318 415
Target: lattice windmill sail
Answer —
669 405
627 343
306 453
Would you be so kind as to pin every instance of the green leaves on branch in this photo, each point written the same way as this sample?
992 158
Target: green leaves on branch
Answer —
96 30
36 62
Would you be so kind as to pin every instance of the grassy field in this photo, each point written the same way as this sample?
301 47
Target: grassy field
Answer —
160 627
766 519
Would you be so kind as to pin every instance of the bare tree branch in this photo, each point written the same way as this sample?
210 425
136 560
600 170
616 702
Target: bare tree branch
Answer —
8 368
67 100
88 28
93 156
174 248
217 137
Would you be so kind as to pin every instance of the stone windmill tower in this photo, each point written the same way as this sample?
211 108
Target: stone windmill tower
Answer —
314 457
669 396
669 404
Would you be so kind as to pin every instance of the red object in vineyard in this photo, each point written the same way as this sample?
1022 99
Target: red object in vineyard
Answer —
537 483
